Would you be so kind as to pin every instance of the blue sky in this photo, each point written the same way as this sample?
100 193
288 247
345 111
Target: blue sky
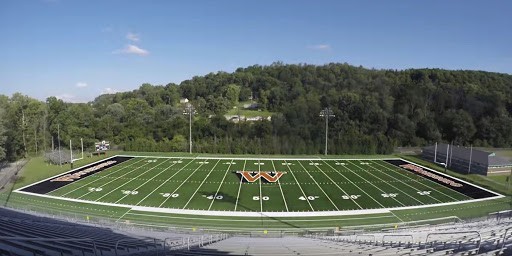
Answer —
76 50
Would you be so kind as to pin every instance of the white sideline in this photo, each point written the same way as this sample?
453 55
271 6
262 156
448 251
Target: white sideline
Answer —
264 214
265 158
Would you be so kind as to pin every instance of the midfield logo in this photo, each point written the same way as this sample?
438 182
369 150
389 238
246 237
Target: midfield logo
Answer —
252 176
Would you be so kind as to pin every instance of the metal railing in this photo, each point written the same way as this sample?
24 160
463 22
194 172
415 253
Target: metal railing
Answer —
136 240
359 236
504 239
399 242
190 242
455 233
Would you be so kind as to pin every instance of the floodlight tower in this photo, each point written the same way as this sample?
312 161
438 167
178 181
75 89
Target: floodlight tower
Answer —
326 113
58 140
190 111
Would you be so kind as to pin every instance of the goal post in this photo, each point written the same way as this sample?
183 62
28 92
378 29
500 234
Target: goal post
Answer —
71 152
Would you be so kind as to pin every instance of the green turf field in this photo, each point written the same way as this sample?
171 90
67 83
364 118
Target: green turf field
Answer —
214 185
207 191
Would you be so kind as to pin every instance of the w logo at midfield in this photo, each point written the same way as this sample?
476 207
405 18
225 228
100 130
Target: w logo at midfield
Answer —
252 176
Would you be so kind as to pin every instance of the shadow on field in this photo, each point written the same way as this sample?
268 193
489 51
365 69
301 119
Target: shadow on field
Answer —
232 200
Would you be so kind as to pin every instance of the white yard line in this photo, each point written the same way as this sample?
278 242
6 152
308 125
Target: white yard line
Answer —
311 176
280 188
130 180
268 214
134 169
394 198
201 165
298 184
349 180
98 179
333 182
240 187
220 185
261 199
258 214
165 169
389 184
163 183
423 183
195 192
403 175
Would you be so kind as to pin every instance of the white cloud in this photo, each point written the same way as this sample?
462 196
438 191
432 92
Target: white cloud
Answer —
81 84
132 37
321 47
67 97
109 90
107 29
132 49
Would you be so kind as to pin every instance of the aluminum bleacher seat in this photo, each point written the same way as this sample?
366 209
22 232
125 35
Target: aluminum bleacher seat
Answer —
24 234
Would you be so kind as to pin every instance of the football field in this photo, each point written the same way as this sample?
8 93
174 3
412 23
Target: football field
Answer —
241 186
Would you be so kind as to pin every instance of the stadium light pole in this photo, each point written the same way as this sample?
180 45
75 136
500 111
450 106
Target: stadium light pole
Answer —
71 154
190 111
82 143
326 113
58 141
508 179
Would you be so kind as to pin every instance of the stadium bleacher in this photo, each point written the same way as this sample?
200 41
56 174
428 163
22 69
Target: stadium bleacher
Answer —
26 234
487 237
58 156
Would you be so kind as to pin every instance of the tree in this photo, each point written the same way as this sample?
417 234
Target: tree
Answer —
376 110
2 134
458 126
233 93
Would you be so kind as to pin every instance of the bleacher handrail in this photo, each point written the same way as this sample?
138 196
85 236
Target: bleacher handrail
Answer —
457 232
397 235
135 240
504 238
373 236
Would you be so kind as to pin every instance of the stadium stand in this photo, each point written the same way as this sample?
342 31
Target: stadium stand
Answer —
26 234
487 237
58 157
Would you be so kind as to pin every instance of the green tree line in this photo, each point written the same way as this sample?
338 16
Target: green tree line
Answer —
375 111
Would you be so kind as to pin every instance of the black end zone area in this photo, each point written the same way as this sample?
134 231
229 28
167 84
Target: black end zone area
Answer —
77 174
444 180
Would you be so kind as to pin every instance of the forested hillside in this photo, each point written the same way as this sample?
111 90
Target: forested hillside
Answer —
375 111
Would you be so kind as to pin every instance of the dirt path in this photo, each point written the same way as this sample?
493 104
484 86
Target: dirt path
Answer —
8 170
